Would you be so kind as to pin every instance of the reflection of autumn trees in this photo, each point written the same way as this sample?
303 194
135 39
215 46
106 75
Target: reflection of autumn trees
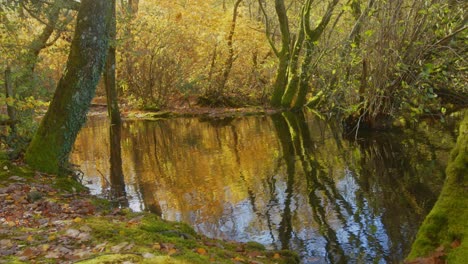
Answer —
387 161
288 180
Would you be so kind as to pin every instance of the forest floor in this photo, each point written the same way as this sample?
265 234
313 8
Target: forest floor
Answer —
49 219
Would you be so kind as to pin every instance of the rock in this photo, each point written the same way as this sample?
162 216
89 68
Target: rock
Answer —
72 233
83 237
16 178
148 255
6 243
43 222
34 196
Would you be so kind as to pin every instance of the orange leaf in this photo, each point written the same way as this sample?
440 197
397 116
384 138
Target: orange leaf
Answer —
201 251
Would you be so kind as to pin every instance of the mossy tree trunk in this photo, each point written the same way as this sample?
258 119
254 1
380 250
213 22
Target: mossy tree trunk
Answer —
293 65
52 143
446 226
283 54
293 74
296 92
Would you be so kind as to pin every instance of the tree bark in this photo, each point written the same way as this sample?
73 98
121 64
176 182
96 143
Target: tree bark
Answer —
293 67
109 73
133 6
284 55
446 223
52 143
230 59
9 93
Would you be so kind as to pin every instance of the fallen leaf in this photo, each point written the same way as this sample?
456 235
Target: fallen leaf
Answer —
167 246
201 251
28 252
254 254
119 247
100 247
157 246
276 256
455 244
45 247
136 219
238 259
130 246
16 178
53 254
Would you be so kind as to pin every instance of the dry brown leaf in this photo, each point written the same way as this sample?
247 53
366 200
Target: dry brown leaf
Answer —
201 251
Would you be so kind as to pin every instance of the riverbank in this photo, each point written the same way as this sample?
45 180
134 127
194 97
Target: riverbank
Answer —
45 219
99 107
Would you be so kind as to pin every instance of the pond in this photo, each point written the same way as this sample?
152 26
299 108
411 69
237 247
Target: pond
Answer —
288 181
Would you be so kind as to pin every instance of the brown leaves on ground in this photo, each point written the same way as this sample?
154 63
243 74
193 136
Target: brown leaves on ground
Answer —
36 222
436 257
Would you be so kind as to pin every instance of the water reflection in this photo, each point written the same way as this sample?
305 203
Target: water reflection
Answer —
288 181
116 176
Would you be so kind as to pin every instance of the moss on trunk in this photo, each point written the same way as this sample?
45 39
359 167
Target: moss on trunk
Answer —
447 225
66 115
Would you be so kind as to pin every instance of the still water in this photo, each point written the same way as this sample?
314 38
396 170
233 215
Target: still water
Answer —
288 181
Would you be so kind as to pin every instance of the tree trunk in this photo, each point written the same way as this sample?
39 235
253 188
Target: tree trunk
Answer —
41 41
291 83
109 73
133 6
9 93
293 67
230 59
303 86
282 73
446 223
52 143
